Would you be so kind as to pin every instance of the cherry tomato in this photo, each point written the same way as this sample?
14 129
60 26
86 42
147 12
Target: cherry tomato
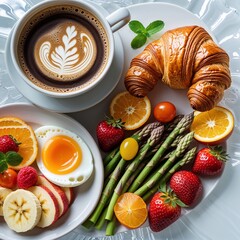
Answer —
8 178
129 148
164 112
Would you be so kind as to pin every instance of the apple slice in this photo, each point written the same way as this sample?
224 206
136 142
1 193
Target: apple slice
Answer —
49 204
69 193
57 191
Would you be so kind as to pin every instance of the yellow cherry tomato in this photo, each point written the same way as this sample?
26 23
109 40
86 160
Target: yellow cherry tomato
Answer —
129 148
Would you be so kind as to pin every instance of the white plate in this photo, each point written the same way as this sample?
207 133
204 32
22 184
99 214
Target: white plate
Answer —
167 13
86 195
161 92
217 217
74 104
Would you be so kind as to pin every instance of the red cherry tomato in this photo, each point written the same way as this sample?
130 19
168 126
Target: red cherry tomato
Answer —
164 112
8 178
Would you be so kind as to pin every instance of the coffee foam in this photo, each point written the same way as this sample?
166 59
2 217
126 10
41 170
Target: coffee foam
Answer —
58 45
65 52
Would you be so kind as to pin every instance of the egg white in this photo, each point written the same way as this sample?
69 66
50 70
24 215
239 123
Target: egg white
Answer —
77 176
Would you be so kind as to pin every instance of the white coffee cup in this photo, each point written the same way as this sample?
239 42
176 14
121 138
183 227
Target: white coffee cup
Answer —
65 48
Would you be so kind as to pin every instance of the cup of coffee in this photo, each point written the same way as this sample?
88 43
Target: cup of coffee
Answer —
65 48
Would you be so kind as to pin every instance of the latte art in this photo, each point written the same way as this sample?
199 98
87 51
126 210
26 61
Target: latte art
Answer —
71 59
63 49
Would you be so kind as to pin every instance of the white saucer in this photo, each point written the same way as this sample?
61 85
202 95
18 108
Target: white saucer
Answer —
74 104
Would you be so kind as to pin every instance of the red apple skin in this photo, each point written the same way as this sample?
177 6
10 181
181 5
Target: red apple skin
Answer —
57 191
56 205
69 193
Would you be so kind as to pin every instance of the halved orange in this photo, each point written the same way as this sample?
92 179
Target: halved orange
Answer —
131 210
214 126
11 121
132 110
25 135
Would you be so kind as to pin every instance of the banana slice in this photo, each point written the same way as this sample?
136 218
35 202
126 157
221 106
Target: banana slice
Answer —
21 210
3 194
49 204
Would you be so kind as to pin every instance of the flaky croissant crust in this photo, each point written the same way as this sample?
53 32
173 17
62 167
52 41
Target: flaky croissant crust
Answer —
183 58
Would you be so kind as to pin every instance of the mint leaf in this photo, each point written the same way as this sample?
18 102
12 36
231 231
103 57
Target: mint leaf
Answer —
142 32
13 158
139 41
3 166
155 27
136 26
2 156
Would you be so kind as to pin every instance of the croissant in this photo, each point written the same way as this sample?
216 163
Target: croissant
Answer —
183 58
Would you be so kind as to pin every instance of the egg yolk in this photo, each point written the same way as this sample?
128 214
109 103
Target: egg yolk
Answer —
61 155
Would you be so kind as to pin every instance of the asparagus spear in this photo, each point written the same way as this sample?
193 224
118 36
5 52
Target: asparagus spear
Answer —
170 126
112 164
108 189
101 220
183 145
183 125
111 226
110 156
153 139
138 136
133 176
173 145
111 159
188 157
176 141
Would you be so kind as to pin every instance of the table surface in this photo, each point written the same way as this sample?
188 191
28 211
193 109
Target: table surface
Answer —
222 207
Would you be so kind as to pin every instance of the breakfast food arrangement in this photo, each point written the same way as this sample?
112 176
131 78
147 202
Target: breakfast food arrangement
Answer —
157 160
28 198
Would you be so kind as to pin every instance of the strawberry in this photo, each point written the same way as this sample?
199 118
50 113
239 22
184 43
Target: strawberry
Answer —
110 133
210 161
187 186
8 143
164 209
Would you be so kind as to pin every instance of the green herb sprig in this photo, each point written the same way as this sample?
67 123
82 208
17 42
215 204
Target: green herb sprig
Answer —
10 158
144 33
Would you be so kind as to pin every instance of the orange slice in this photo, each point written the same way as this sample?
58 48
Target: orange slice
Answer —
11 121
214 126
25 135
131 210
131 110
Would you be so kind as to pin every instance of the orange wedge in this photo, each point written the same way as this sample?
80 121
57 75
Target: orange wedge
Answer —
25 135
214 126
131 210
131 110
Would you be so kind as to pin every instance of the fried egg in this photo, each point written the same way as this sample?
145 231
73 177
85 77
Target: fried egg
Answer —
63 157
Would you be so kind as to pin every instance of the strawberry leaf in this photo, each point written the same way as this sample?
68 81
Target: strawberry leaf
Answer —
180 203
14 139
117 123
163 188
219 153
